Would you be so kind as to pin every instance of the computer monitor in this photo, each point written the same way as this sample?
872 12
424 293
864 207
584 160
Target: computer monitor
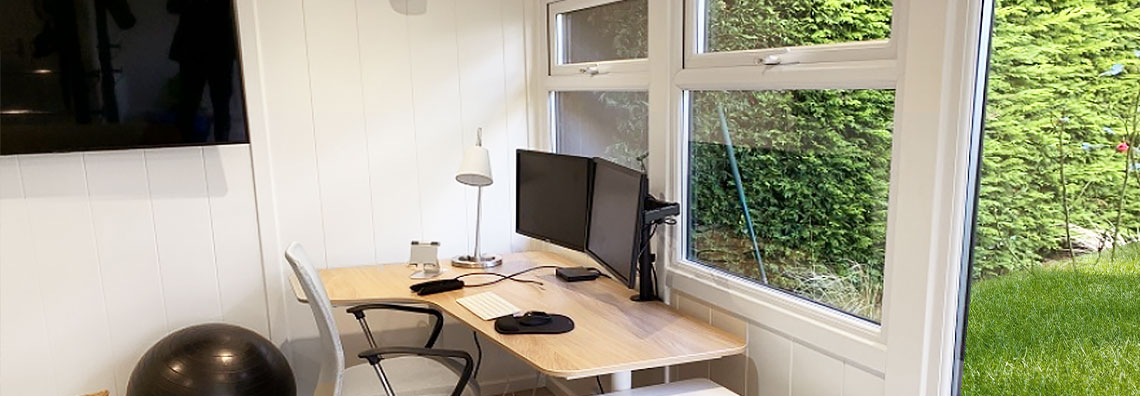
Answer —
553 197
616 216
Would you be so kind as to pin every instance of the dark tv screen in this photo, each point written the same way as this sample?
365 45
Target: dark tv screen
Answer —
553 202
113 74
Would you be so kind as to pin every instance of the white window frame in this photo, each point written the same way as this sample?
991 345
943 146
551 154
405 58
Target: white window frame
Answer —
555 40
697 57
861 65
932 66
613 76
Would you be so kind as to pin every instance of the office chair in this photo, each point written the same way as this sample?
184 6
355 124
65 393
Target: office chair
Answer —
392 371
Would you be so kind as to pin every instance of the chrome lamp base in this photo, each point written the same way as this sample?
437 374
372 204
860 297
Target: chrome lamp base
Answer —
481 261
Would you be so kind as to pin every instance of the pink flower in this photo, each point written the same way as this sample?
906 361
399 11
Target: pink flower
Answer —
1122 147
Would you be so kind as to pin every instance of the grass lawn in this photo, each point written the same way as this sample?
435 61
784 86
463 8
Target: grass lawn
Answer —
1056 330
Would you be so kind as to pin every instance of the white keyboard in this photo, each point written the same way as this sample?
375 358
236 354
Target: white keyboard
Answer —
488 305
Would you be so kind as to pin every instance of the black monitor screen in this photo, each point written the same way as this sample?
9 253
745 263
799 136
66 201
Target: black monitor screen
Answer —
616 213
553 198
118 74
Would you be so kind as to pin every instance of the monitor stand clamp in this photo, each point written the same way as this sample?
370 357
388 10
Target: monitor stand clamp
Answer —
657 212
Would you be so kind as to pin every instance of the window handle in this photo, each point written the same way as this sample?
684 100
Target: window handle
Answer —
770 60
776 59
591 70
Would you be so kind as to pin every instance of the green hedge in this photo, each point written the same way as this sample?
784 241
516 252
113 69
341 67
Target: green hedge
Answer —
1049 62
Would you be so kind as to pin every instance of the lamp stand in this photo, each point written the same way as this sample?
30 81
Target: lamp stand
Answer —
477 260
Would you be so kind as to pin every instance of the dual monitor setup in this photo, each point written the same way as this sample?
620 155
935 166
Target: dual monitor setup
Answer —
595 206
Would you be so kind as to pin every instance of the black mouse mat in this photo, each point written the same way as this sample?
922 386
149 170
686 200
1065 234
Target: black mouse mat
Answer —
558 324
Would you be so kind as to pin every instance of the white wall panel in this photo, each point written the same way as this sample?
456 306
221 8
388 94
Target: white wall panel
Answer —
27 358
184 233
769 363
67 264
515 93
98 249
125 233
385 50
340 138
289 120
815 373
857 382
439 142
483 105
234 217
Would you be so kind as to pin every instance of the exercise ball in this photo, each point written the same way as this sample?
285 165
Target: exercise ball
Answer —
212 360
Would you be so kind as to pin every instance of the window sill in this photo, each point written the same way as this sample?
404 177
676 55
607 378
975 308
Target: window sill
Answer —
855 340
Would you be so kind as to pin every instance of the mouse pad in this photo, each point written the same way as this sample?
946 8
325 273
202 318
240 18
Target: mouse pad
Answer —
558 324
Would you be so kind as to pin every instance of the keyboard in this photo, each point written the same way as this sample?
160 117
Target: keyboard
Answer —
488 305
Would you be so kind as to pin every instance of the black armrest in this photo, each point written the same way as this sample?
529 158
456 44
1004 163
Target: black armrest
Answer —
376 354
358 312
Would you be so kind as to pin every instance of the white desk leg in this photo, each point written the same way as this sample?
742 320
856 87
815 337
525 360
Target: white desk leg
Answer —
621 380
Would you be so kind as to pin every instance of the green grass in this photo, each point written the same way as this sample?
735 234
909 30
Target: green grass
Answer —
1057 330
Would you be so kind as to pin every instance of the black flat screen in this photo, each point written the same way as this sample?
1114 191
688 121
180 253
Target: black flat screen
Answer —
118 74
615 219
553 198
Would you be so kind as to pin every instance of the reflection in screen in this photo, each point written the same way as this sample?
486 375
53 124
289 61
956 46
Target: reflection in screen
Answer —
109 74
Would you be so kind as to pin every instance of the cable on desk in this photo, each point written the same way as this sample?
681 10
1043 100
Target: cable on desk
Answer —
599 380
505 277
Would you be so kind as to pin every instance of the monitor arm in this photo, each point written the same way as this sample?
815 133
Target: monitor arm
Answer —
656 212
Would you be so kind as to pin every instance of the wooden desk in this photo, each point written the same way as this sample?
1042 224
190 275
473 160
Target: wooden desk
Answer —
612 334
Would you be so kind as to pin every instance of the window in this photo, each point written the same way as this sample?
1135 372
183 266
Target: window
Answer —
608 124
731 25
594 37
1055 266
812 168
603 33
600 45
818 140
786 32
789 169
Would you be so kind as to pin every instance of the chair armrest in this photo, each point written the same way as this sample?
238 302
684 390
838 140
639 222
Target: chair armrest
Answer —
376 354
358 312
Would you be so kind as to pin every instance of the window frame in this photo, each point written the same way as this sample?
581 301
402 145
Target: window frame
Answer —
933 47
858 65
696 57
555 40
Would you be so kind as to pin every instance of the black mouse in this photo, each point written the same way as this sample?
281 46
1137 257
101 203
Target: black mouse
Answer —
534 318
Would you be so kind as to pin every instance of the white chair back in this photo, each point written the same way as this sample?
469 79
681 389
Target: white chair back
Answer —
329 382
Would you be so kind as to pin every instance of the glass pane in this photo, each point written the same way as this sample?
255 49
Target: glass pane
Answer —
812 167
611 124
1054 283
607 32
733 25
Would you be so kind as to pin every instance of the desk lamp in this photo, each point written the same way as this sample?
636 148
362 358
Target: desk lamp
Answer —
475 170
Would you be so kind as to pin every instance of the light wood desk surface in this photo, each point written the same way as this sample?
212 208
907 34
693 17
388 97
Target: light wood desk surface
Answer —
611 334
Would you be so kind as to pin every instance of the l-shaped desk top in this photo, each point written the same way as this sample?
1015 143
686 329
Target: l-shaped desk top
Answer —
611 334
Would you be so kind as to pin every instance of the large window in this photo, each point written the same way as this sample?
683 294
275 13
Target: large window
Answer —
1055 267
789 189
789 170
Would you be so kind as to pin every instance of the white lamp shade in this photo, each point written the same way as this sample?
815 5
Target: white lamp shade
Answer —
475 170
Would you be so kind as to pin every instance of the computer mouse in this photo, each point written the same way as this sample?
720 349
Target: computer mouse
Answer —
534 318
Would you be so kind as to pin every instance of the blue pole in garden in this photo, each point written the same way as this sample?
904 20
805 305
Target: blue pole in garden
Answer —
740 192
